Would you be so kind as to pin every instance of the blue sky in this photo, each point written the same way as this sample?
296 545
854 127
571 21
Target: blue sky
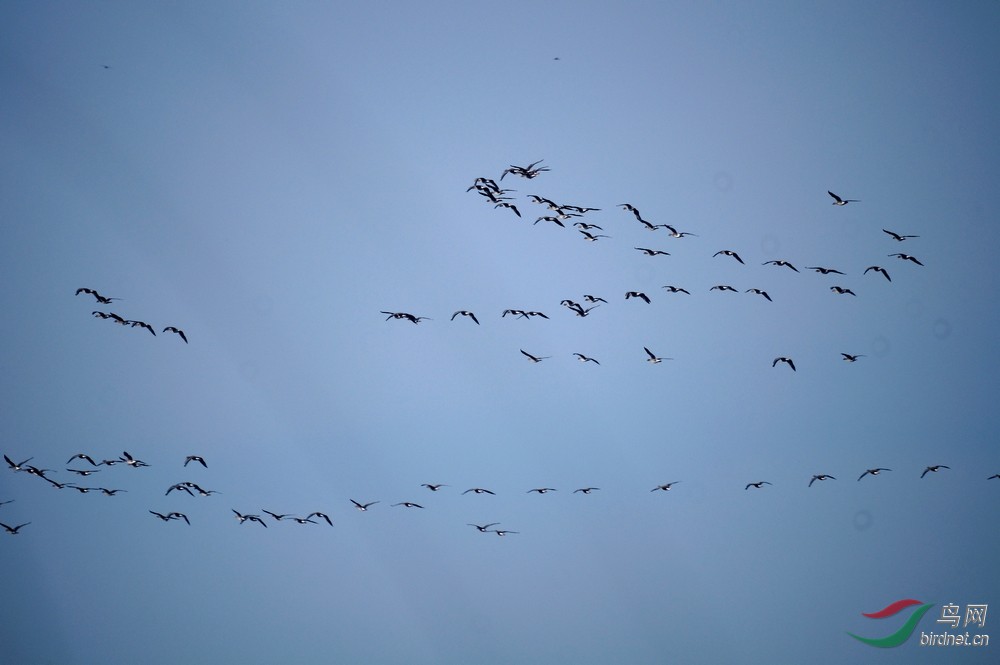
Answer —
269 177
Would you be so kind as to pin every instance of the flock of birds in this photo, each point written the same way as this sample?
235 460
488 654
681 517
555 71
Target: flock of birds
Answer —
193 489
122 321
559 215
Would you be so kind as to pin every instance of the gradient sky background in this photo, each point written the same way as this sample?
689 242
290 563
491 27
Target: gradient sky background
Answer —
269 176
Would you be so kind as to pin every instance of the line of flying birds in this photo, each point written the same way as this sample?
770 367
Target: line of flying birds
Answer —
122 321
193 489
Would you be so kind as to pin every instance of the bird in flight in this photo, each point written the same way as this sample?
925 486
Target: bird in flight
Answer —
12 530
783 359
665 487
82 456
484 527
408 504
896 236
637 294
534 359
824 271
757 484
195 458
501 532
676 289
907 257
837 201
320 515
141 324
277 517
779 263
652 252
934 469
100 299
841 290
363 506
586 359
511 206
479 490
729 252
405 315
849 358
653 357
760 293
252 518
434 488
586 490
171 516
178 331
17 467
592 237
541 490
467 313
723 287
821 476
880 269
873 472
131 461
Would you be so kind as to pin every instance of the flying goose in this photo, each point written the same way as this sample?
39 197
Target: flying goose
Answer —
652 252
180 332
585 359
652 356
760 293
783 359
879 269
676 289
478 490
363 506
757 484
729 252
934 469
195 458
637 294
320 515
484 527
907 257
665 487
12 530
821 476
779 263
841 290
824 271
592 237
837 201
896 236
534 359
873 472
849 358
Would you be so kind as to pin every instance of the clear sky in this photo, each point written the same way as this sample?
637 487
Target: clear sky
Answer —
269 177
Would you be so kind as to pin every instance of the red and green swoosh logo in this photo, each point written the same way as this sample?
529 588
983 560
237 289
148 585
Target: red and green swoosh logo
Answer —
904 632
